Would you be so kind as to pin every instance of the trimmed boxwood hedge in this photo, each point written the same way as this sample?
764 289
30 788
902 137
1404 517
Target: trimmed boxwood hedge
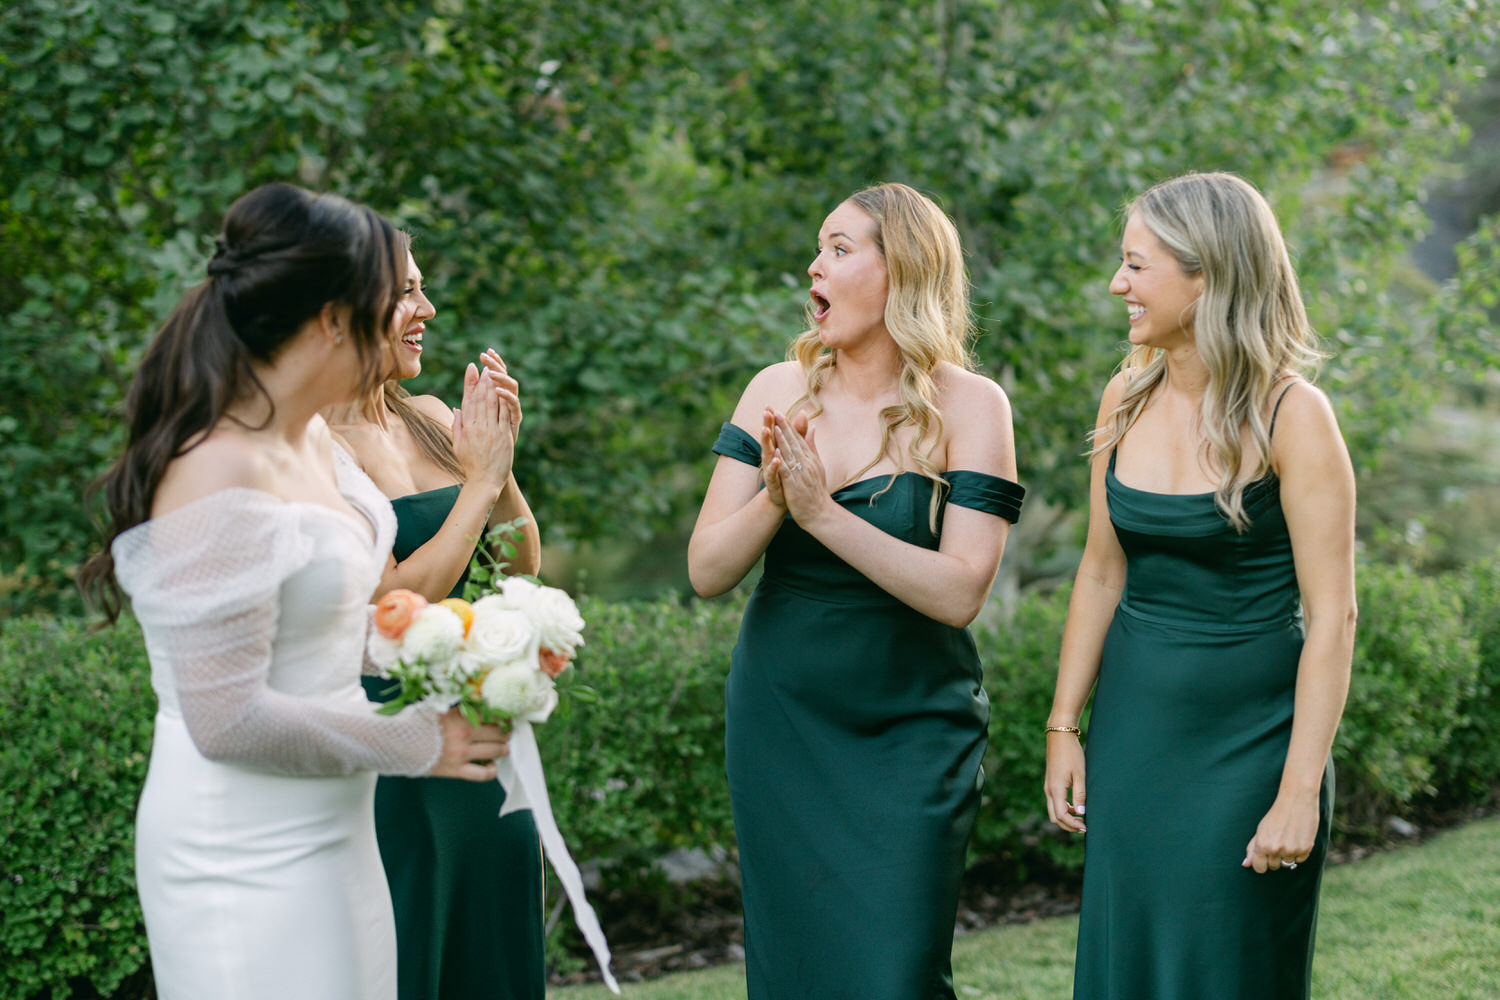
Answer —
641 771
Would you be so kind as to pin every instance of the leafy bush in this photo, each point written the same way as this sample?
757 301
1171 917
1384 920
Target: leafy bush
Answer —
1470 769
641 771
643 768
78 709
1414 665
1020 665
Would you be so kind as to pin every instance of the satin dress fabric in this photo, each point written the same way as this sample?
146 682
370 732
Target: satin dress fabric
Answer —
855 727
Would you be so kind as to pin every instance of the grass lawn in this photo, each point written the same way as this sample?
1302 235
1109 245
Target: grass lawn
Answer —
1416 923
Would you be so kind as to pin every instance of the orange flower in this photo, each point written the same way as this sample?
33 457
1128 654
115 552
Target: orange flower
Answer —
395 611
553 663
462 608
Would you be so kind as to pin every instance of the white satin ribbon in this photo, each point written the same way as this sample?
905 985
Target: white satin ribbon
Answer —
520 774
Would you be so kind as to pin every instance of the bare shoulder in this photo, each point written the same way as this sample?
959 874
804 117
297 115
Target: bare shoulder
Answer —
776 386
431 406
976 422
224 459
1306 429
1302 410
1114 391
976 396
356 437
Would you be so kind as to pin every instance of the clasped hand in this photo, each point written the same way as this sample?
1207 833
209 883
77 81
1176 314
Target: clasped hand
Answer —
790 465
486 425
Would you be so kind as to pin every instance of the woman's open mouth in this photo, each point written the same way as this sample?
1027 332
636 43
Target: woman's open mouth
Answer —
412 340
821 306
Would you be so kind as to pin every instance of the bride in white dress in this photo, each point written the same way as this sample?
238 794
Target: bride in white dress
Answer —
249 545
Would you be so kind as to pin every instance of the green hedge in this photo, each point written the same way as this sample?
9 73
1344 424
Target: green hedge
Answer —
642 771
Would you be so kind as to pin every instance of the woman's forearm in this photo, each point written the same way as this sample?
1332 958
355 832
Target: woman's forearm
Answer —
1091 608
720 554
1322 688
435 567
512 506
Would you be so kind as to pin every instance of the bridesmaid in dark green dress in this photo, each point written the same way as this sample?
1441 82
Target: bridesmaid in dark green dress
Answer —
855 716
1215 610
466 885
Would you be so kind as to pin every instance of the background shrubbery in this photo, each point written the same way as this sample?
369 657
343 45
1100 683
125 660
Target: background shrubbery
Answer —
641 771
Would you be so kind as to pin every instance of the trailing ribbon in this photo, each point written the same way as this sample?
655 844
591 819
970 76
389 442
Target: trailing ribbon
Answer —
520 774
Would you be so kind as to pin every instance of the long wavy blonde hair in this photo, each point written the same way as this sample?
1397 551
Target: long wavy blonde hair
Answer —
1248 325
926 313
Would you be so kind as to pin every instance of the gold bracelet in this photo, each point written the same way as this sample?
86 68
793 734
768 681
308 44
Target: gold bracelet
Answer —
1065 729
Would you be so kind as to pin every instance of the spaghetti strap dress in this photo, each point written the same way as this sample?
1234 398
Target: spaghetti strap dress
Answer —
1191 721
855 726
466 885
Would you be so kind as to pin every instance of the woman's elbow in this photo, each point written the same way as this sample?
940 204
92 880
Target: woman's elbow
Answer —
961 612
706 584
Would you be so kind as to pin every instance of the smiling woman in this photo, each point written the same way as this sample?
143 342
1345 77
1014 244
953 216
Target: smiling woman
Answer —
875 472
1212 538
249 545
466 884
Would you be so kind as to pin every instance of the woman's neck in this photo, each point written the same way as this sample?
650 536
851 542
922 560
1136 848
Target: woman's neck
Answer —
869 373
1186 374
369 409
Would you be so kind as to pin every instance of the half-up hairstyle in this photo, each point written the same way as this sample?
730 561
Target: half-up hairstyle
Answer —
1249 324
926 313
284 254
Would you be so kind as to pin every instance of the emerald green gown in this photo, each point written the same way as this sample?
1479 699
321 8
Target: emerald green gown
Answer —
1186 743
855 726
466 885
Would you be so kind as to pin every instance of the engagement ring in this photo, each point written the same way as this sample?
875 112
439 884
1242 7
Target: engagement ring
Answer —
1289 864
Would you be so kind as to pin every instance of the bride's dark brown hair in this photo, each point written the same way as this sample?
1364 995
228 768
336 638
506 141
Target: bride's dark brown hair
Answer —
284 254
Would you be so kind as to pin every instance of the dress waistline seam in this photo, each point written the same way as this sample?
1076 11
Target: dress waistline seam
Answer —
880 600
1198 625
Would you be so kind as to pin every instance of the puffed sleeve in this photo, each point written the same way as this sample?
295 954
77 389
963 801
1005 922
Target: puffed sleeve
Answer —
205 582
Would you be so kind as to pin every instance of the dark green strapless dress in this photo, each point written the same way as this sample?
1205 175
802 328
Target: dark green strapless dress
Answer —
1187 740
854 732
466 885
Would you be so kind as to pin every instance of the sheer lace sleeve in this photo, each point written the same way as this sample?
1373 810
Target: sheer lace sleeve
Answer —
262 669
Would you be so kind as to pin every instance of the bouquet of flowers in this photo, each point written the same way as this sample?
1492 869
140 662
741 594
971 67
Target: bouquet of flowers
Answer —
497 660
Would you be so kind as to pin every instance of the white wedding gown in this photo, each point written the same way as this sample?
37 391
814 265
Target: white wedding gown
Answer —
256 859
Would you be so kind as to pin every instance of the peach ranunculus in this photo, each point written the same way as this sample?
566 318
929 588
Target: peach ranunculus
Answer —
462 608
396 610
552 663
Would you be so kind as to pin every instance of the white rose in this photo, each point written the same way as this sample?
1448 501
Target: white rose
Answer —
558 623
382 652
434 638
499 633
517 689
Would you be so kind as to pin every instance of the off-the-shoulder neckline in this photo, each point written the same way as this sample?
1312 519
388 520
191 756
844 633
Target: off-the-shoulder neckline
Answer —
270 499
888 475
